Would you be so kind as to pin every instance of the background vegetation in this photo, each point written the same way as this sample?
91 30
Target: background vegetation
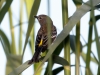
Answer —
15 51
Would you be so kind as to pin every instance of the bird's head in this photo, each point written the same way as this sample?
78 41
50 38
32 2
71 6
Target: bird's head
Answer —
44 19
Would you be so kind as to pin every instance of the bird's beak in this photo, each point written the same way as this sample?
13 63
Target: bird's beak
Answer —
36 16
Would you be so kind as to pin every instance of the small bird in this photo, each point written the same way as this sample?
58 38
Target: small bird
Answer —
41 43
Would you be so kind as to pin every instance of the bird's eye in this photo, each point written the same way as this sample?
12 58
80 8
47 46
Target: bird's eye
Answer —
40 18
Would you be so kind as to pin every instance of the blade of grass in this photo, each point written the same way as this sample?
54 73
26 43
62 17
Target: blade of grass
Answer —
77 57
35 7
98 45
8 55
84 58
5 40
95 57
73 43
66 41
57 70
20 31
28 4
13 44
78 3
5 9
15 60
98 70
28 10
89 48
20 69
1 3
50 62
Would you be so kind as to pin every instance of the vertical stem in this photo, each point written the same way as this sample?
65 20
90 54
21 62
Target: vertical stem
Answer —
89 49
13 45
20 31
83 55
77 57
66 41
78 3
49 40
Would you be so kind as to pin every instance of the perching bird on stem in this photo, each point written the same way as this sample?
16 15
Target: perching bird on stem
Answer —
41 43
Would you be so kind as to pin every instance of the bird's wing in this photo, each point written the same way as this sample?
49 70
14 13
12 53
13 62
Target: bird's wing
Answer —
41 41
38 49
54 33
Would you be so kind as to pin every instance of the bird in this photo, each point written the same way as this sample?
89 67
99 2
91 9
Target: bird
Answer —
41 42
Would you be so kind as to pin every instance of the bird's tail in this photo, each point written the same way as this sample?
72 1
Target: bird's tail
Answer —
35 57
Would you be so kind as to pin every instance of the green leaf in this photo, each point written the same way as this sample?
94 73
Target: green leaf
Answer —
5 9
57 59
12 60
57 70
60 60
98 70
28 6
73 43
13 42
90 33
66 42
1 3
97 6
31 21
5 40
12 63
20 69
